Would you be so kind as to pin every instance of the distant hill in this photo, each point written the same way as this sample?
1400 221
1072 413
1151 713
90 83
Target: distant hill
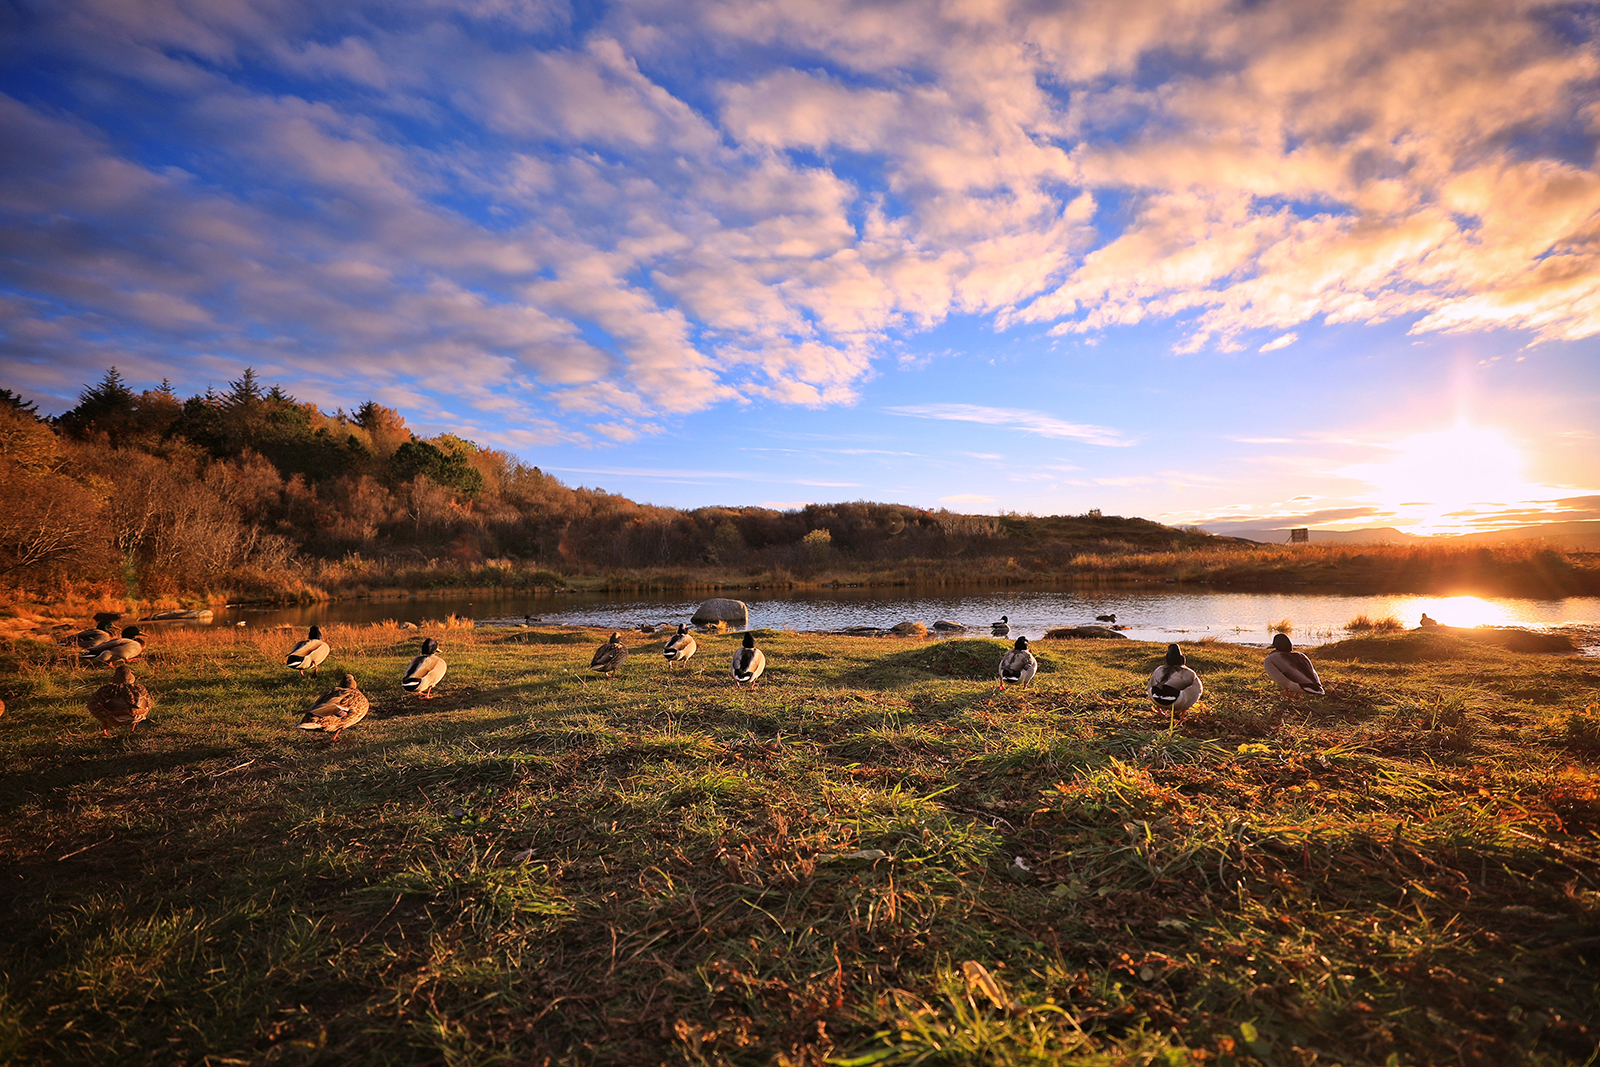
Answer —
1386 535
1579 535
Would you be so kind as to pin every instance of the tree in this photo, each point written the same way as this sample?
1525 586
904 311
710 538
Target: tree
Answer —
447 469
104 408
11 400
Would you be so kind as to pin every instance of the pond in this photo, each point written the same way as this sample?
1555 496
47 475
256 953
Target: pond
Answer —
1146 614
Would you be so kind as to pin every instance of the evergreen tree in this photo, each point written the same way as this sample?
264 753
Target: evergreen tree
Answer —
11 400
104 408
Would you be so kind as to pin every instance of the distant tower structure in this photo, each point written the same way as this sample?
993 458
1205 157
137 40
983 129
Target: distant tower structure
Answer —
1300 536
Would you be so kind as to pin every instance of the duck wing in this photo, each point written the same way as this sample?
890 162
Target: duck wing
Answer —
609 656
337 708
1294 668
116 703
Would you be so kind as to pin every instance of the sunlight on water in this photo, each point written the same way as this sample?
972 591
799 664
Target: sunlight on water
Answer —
1465 611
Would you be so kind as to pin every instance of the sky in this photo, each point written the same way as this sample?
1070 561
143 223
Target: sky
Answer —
1231 264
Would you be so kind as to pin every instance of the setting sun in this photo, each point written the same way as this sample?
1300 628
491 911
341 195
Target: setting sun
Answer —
1432 477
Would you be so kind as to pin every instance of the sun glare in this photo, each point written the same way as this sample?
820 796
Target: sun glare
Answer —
1434 476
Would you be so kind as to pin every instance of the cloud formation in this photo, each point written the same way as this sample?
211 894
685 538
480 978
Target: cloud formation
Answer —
492 205
1033 422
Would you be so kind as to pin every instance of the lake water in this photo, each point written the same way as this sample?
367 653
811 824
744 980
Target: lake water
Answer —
1148 615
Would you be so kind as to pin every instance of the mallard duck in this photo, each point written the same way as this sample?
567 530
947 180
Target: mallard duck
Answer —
1292 670
748 662
1426 621
1106 618
309 653
124 649
99 633
609 656
680 646
425 671
1175 687
1003 627
120 702
1018 666
339 708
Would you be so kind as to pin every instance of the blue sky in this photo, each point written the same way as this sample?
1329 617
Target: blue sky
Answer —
1238 265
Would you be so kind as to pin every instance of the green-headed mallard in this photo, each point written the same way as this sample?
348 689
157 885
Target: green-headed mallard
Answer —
99 633
309 653
1175 687
425 671
120 702
1002 628
748 662
1018 666
124 649
1292 670
609 656
680 646
338 709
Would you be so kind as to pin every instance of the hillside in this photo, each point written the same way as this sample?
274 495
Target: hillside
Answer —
252 493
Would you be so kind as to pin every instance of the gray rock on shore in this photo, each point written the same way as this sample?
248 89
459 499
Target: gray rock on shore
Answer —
718 609
1085 631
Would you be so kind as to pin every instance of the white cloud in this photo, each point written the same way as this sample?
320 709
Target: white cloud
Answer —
1033 422
689 204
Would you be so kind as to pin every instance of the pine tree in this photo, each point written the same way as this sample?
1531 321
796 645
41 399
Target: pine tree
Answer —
104 408
11 400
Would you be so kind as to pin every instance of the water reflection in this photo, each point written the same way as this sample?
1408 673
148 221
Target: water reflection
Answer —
1148 615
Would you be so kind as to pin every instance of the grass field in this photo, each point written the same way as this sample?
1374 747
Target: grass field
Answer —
876 857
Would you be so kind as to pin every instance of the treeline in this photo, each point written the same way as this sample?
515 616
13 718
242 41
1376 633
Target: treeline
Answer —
251 492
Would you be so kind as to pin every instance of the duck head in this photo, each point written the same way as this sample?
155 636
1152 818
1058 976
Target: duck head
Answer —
429 647
749 639
1021 645
1174 656
347 682
1282 643
124 674
315 634
132 631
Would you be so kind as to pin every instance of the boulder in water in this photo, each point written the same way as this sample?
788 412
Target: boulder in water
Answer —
718 609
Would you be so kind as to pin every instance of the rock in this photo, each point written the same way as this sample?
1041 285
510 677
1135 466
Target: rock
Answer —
909 629
718 609
1084 631
197 615
946 626
860 631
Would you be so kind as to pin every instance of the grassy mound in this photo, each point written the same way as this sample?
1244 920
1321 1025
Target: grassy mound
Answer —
545 637
1441 643
976 659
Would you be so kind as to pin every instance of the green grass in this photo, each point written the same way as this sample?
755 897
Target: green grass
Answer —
541 865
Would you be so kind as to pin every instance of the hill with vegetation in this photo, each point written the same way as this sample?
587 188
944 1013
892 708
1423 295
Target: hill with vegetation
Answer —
252 494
